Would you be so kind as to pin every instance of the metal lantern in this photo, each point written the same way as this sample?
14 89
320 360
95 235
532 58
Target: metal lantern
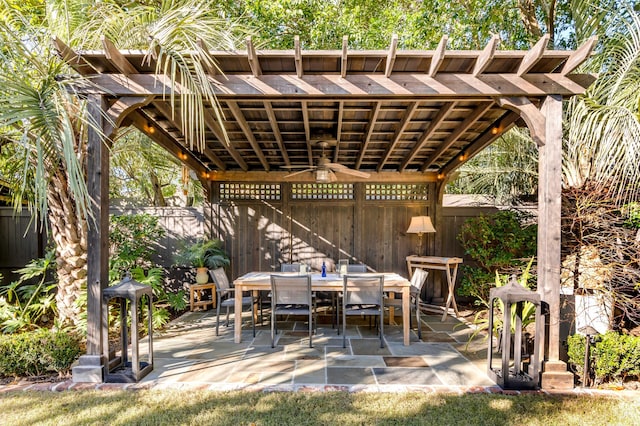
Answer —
128 294
520 365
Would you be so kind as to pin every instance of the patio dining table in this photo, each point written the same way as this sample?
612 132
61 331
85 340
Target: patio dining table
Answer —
256 281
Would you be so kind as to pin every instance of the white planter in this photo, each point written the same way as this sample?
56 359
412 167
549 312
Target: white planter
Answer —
202 275
593 309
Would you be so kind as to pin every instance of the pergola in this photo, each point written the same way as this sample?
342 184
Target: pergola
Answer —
400 116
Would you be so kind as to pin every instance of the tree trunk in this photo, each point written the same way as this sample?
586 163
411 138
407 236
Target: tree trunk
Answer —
69 232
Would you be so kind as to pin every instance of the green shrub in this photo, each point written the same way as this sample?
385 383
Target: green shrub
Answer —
614 357
38 352
132 239
497 243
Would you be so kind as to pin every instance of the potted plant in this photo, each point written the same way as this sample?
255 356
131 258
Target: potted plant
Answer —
203 255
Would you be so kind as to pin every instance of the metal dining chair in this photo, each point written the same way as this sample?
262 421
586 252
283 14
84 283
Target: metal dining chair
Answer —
362 295
291 295
356 268
290 267
417 282
226 297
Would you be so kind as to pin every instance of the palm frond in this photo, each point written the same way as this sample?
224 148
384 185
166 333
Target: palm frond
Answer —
603 140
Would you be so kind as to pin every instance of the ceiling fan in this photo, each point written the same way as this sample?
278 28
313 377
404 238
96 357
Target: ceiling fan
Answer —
324 169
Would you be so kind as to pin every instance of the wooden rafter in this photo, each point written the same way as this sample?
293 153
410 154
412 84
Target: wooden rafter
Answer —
276 132
533 56
298 56
406 119
246 129
207 61
505 122
280 176
147 125
307 131
438 56
486 56
173 116
73 59
429 131
453 136
370 126
344 58
254 62
391 56
579 56
338 130
213 125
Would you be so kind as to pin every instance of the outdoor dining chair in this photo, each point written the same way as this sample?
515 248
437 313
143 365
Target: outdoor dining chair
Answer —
290 267
362 295
291 295
356 268
417 282
226 297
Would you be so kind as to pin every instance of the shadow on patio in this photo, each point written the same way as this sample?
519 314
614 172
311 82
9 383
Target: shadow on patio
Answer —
188 354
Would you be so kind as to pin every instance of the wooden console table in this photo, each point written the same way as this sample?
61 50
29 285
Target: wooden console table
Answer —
447 264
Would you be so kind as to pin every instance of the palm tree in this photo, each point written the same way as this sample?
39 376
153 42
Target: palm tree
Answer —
47 126
602 146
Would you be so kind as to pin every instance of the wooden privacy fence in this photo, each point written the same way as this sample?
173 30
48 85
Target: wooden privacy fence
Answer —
264 225
20 242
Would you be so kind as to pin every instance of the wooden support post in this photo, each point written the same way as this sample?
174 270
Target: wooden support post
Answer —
436 198
90 365
555 375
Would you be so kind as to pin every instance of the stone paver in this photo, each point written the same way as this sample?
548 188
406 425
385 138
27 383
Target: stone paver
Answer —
188 356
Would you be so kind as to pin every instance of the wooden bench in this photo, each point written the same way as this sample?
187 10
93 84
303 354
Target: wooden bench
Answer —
196 293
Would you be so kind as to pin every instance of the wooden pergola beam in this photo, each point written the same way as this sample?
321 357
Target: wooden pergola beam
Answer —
406 119
254 62
278 176
505 123
438 56
147 125
344 58
453 136
486 56
207 61
579 56
174 116
213 125
370 125
273 121
447 85
307 130
424 137
533 56
298 56
336 152
248 133
391 56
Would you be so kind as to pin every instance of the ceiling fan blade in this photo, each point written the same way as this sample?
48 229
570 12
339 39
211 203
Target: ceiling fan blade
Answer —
298 173
298 166
344 169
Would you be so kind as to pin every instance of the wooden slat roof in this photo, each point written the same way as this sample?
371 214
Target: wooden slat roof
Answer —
417 113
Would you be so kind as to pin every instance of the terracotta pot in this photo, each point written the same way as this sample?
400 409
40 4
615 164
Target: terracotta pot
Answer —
202 275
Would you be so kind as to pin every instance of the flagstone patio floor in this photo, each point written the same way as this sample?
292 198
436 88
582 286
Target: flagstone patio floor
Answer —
188 354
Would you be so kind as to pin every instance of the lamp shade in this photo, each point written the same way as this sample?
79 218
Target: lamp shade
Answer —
420 225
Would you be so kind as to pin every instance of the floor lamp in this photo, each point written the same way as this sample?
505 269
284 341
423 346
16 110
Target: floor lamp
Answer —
420 225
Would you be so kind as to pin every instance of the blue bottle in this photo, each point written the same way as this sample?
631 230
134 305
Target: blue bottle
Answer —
324 269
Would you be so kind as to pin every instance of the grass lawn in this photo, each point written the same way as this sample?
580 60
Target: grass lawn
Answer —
160 407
